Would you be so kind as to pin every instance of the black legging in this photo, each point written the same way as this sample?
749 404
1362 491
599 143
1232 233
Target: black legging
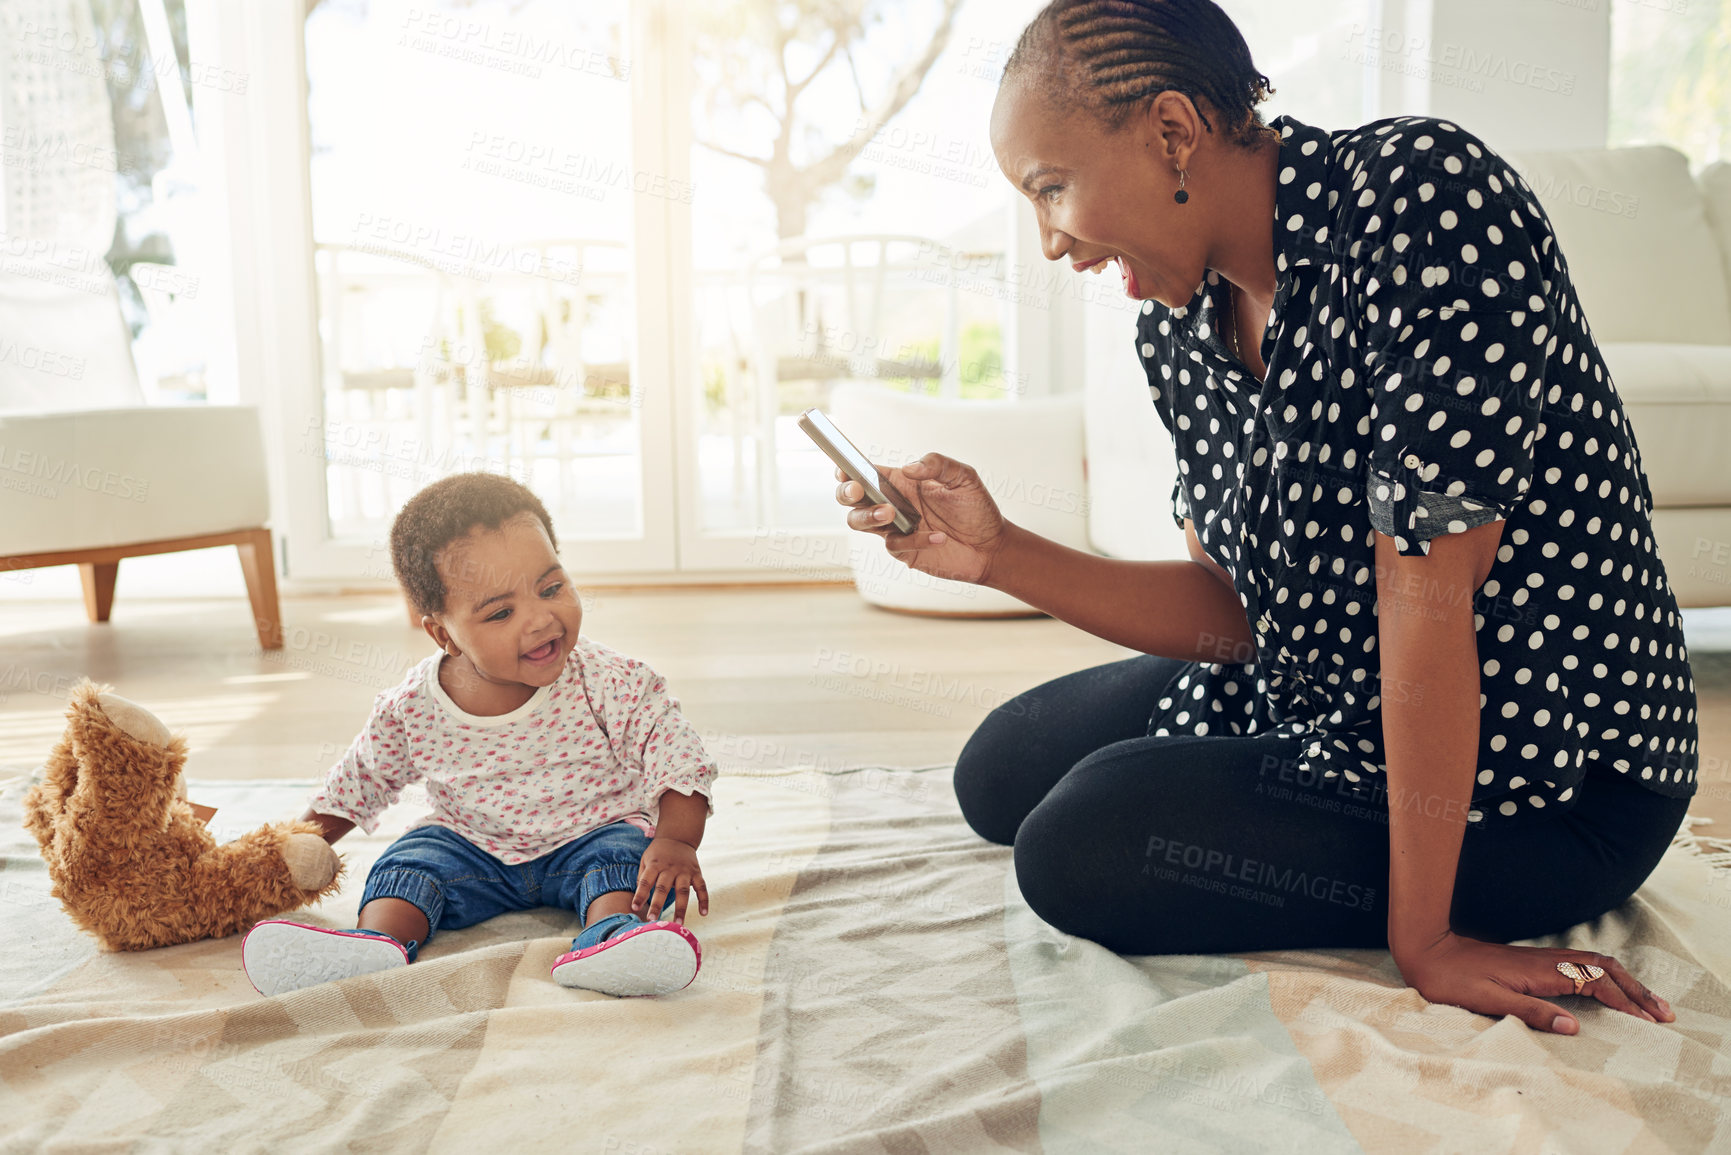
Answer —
1207 845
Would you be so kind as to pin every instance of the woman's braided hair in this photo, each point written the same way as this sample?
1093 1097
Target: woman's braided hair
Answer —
1115 55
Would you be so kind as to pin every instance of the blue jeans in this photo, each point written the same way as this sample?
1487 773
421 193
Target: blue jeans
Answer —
456 884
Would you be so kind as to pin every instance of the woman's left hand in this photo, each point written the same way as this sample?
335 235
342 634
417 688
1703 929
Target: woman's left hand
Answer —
1495 979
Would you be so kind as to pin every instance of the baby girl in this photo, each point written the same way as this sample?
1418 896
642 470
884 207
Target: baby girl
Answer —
561 772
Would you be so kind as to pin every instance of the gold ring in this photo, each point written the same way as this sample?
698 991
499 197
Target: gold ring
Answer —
1582 973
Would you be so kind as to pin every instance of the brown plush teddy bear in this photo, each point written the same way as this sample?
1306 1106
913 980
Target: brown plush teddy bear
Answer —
131 862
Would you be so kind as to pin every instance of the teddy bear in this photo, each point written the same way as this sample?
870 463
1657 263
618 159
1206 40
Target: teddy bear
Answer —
129 859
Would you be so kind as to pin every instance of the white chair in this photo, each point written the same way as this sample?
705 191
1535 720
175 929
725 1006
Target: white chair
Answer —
94 487
88 474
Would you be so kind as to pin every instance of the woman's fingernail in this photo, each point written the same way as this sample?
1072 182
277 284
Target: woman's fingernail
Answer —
881 514
1563 1025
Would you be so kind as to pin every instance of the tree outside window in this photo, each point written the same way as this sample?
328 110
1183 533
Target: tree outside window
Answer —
1671 76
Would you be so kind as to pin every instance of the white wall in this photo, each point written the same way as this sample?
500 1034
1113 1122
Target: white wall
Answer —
1522 74
1130 463
1044 355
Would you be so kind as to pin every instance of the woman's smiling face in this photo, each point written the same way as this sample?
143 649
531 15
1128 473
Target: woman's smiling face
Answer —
1103 196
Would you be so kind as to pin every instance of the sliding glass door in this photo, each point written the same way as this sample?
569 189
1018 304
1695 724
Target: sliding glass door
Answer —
480 264
612 248
551 240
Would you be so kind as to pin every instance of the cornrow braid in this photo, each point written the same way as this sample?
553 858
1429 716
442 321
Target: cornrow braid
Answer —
1117 54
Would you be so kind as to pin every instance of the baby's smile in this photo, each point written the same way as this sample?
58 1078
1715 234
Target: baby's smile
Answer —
545 652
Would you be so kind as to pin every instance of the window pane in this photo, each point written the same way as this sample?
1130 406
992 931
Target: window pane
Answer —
98 205
1669 64
472 209
156 198
919 193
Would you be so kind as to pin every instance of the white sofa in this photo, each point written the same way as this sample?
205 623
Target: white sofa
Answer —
1649 249
90 475
93 487
1655 278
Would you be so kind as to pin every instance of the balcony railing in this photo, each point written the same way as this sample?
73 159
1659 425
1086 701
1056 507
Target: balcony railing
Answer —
511 357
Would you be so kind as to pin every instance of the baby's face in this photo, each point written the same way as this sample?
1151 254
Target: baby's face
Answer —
508 605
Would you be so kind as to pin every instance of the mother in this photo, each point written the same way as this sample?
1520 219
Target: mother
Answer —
1422 684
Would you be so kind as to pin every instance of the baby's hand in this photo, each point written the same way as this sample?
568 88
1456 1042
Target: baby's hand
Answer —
669 866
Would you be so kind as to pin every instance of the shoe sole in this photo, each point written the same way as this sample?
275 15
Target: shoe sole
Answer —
652 960
279 957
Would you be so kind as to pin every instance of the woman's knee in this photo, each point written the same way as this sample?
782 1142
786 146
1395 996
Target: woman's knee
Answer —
989 777
1068 885
1081 857
1056 865
1041 874
986 813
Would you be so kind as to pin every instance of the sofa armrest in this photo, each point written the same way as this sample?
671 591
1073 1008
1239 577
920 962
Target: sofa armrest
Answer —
108 477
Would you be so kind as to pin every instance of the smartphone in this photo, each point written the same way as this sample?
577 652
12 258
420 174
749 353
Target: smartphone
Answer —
853 463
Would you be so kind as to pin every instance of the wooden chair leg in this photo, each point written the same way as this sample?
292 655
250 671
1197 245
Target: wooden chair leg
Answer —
258 563
98 579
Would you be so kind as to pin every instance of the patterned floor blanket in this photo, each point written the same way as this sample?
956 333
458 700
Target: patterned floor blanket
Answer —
872 982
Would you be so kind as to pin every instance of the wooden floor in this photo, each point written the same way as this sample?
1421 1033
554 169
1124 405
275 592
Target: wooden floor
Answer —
770 676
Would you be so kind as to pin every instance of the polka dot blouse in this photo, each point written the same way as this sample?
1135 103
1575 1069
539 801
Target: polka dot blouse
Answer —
1429 370
598 746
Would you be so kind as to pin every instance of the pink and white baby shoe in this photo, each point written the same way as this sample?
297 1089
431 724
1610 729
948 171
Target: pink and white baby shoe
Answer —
281 956
656 958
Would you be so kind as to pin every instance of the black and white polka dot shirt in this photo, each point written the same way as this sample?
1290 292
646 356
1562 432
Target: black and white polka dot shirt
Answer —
1429 370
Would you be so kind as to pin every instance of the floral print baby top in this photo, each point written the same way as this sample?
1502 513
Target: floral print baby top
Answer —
597 746
1429 370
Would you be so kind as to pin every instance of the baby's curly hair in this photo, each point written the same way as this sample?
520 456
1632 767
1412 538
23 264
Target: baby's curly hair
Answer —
445 511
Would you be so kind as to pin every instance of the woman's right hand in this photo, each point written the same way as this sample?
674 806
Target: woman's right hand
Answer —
961 531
